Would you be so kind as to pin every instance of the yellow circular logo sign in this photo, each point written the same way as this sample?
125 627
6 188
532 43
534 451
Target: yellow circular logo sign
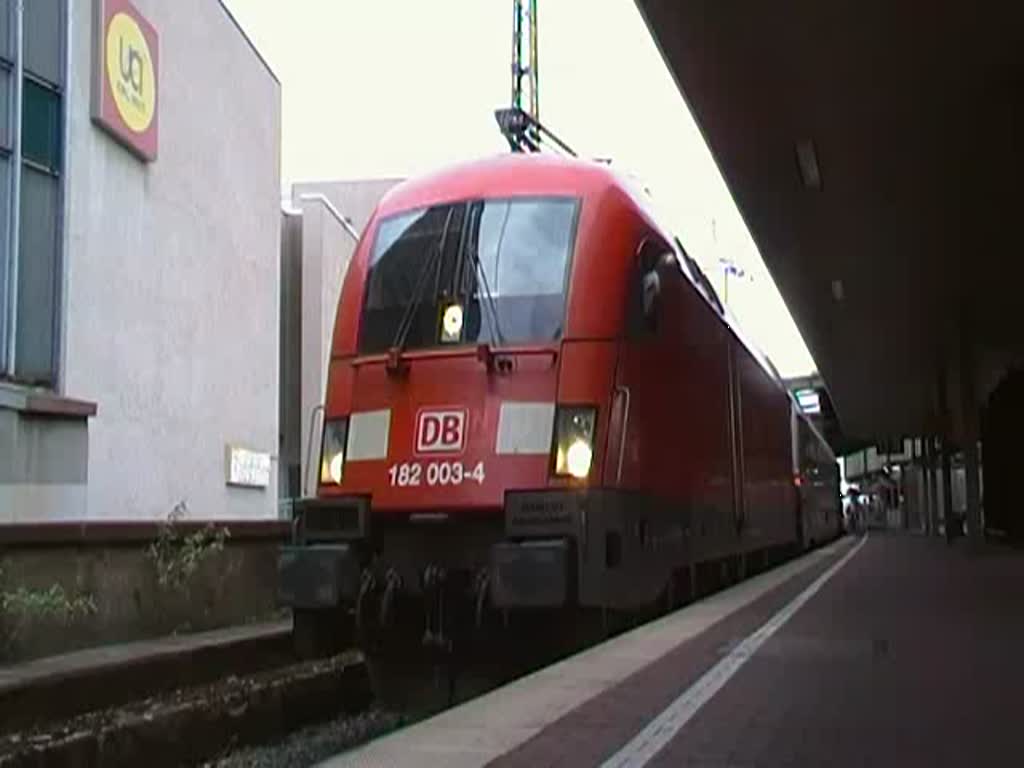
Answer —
130 72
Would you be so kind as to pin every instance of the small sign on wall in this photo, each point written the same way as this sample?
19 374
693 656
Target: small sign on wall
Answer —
125 76
248 469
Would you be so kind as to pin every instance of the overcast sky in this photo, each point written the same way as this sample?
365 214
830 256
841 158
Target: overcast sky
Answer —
396 87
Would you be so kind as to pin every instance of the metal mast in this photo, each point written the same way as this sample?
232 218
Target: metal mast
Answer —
522 127
524 58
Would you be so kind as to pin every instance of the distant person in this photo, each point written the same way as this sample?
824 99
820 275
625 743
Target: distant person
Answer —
853 513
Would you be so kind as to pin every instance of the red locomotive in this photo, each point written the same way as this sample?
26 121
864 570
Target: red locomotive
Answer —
537 404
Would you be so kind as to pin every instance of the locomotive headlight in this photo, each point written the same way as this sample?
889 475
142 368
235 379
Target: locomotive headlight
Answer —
577 458
335 468
574 441
332 455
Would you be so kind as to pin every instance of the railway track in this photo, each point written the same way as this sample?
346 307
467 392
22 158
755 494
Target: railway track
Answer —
197 724
242 703
236 698
183 700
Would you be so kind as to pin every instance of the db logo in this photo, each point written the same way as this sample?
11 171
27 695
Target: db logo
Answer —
441 431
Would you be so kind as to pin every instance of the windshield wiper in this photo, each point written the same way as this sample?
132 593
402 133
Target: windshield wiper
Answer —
405 325
474 254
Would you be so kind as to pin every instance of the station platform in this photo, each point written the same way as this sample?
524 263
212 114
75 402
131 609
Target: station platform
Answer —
889 649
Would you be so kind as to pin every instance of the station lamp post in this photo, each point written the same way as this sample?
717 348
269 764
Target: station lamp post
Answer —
729 267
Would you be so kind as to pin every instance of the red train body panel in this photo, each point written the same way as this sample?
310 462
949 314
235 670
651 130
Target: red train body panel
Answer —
681 444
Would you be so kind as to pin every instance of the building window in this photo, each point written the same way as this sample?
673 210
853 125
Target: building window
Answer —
41 125
33 46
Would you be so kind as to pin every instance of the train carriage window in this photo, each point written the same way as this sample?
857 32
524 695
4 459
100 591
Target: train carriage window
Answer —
709 291
700 280
686 263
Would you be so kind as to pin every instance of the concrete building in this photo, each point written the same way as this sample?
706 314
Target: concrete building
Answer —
139 231
319 234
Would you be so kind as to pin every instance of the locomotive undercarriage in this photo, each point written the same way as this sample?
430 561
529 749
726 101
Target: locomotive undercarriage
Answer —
552 571
546 550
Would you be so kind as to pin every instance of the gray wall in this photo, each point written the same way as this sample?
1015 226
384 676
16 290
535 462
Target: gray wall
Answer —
109 564
43 461
171 317
326 251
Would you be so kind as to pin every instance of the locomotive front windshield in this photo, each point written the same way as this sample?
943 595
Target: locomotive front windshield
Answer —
504 261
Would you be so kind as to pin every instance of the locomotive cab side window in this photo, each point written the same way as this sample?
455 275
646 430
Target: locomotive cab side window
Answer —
647 288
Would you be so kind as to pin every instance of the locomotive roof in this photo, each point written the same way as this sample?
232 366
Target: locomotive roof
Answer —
542 173
508 174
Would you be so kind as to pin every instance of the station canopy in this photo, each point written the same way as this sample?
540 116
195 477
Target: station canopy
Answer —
874 149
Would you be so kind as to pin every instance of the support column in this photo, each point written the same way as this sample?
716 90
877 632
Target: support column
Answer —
947 490
972 428
928 513
975 527
936 465
901 489
913 487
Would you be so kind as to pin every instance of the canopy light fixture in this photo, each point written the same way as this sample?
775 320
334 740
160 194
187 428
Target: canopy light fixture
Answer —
807 159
